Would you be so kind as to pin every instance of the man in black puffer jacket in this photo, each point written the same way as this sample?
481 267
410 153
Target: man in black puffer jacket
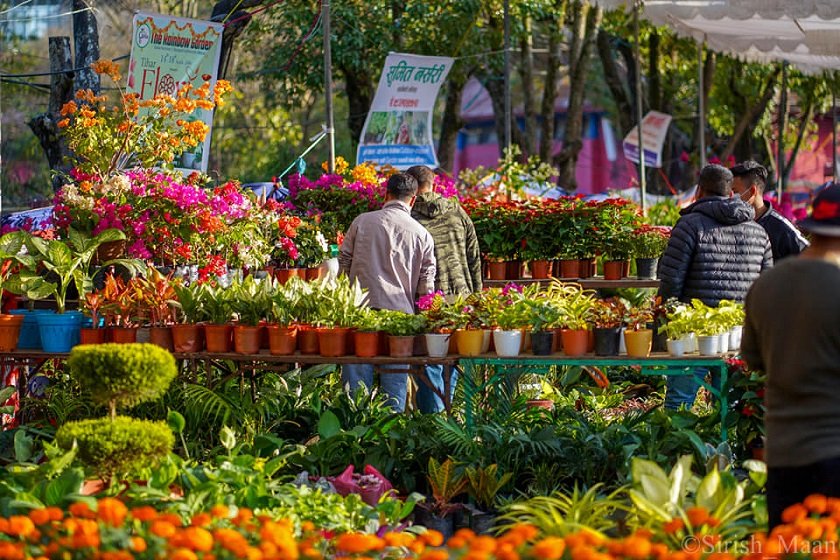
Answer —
716 252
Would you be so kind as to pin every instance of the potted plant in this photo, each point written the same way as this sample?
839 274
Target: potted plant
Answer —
510 320
367 327
54 267
188 308
607 317
401 329
338 304
649 243
92 305
576 305
11 259
543 314
312 248
283 316
251 301
218 330
445 485
442 320
616 255
637 336
483 487
154 296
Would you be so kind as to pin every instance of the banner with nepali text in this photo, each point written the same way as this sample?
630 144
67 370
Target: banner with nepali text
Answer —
168 53
398 128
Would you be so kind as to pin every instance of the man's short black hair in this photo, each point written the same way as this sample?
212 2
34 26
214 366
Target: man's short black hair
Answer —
424 176
753 172
402 186
715 180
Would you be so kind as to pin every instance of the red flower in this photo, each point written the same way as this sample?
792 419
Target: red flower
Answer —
826 210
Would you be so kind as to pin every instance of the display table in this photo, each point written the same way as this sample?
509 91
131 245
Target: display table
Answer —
594 282
476 380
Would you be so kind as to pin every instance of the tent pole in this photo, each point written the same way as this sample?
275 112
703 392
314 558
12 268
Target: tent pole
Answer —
508 110
701 106
639 108
833 135
780 161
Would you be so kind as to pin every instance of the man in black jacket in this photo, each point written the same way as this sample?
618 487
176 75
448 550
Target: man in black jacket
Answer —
749 182
716 252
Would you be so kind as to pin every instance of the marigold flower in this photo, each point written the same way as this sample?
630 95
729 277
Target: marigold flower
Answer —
549 548
673 526
183 554
39 516
19 526
794 513
697 516
434 555
162 529
816 503
111 511
201 520
636 547
483 544
355 543
398 539
81 509
144 513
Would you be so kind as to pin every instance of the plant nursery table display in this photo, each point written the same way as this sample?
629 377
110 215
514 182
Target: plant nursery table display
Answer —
475 379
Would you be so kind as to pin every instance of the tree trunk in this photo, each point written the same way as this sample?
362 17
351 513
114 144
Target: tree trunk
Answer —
752 112
359 89
615 83
526 72
573 135
45 126
451 122
86 43
549 96
805 118
496 89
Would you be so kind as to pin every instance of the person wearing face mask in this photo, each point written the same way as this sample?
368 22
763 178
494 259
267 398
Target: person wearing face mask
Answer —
716 251
750 179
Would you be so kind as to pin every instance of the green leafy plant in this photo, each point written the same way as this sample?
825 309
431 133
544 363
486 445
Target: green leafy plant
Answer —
398 323
542 314
608 313
368 320
445 485
216 302
649 242
484 484
576 304
251 300
188 302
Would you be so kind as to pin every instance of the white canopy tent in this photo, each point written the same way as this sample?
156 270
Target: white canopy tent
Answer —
803 33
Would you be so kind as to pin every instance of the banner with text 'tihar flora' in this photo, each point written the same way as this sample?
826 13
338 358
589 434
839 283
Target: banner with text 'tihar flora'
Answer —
169 52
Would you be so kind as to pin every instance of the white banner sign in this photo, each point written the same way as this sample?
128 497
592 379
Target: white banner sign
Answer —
398 128
654 130
168 53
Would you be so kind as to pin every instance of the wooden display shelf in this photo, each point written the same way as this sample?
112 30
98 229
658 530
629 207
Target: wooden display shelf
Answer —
595 282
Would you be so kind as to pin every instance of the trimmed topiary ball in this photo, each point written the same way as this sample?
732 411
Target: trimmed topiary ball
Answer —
117 447
122 375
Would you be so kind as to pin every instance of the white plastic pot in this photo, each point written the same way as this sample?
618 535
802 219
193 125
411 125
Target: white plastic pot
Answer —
708 345
678 347
508 343
723 342
735 337
437 344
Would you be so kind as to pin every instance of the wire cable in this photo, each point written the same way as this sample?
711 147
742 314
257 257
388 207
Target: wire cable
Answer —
78 69
24 3
53 16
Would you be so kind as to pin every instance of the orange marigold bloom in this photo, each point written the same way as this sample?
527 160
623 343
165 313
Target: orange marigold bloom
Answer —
431 537
183 554
673 526
138 544
549 548
81 509
68 108
720 556
56 514
20 526
816 503
144 513
483 544
307 526
201 520
697 515
39 516
355 543
111 511
434 555
11 551
398 539
172 518
196 538
220 510
794 513
162 529
636 547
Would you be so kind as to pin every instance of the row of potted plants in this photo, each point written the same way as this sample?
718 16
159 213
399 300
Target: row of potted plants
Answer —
700 328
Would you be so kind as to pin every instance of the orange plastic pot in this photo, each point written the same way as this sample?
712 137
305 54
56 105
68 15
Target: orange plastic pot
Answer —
401 346
124 335
367 343
497 270
91 336
219 338
282 341
9 331
613 270
332 342
540 269
308 340
638 343
188 338
568 268
161 336
246 339
575 342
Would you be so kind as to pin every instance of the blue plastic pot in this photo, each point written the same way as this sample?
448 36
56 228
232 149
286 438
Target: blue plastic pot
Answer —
30 336
59 332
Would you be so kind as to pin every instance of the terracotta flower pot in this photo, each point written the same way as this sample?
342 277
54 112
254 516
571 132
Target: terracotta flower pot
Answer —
219 338
575 342
109 251
514 270
497 270
124 335
308 340
613 270
401 346
313 273
9 331
568 268
188 338
282 341
586 267
540 269
161 336
367 343
92 336
246 339
283 274
332 342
